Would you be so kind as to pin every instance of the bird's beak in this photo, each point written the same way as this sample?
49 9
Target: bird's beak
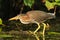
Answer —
14 18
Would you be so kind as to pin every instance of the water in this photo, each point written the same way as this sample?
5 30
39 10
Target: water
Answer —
21 31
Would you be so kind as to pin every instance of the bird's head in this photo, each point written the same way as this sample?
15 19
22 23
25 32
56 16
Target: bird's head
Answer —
17 17
24 18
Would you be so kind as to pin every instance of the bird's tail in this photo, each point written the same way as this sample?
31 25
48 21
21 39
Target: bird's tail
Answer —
14 18
55 10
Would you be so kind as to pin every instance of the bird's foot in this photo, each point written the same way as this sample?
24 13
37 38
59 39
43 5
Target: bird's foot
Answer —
32 32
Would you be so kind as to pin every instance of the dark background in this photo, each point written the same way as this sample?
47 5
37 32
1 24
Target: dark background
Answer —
9 8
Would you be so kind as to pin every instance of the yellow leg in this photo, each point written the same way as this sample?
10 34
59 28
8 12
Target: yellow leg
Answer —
44 31
35 32
37 28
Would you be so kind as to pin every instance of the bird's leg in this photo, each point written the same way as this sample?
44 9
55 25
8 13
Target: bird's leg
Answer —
37 28
44 31
36 31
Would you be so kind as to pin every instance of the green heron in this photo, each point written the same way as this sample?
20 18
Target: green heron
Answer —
34 17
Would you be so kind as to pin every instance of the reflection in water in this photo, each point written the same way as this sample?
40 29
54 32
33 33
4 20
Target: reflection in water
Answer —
43 34
36 37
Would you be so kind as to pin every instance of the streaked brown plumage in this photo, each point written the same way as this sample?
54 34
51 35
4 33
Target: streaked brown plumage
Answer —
40 16
34 17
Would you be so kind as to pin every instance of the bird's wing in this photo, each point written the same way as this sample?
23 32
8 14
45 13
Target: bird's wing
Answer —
38 16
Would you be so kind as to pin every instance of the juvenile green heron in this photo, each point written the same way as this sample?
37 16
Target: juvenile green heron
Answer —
34 17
